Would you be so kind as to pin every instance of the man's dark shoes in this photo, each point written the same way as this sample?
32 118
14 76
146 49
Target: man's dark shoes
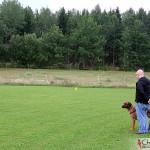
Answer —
139 133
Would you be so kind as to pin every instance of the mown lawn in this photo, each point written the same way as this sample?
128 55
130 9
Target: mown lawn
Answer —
62 118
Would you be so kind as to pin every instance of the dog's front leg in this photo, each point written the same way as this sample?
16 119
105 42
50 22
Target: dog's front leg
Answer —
133 124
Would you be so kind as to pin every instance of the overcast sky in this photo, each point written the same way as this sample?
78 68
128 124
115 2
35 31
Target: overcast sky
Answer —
55 5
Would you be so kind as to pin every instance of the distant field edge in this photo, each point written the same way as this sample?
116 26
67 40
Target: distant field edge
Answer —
68 78
12 84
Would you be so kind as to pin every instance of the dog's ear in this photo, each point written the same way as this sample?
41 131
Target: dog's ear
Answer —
129 104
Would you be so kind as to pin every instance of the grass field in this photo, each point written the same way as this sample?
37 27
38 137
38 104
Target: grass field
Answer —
62 118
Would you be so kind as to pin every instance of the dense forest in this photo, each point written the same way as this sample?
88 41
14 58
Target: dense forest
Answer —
73 39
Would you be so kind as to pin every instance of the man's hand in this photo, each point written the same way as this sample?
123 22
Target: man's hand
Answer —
149 101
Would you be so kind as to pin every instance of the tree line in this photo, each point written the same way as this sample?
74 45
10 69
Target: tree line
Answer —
73 39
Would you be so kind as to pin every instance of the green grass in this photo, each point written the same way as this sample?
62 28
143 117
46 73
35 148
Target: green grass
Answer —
61 118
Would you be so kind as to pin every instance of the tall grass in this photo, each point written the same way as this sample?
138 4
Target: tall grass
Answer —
62 118
68 77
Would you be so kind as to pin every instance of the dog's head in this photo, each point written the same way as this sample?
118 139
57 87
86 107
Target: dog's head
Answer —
127 105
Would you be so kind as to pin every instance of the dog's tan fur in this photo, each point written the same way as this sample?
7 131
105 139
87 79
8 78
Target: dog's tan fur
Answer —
132 112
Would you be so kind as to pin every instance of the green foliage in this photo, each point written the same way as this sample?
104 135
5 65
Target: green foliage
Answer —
29 26
88 42
25 51
44 20
53 44
12 16
62 20
73 39
135 44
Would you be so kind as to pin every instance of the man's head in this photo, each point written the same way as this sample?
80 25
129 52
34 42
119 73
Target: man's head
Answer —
140 74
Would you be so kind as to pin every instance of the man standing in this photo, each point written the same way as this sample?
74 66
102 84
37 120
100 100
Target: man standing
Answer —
142 101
